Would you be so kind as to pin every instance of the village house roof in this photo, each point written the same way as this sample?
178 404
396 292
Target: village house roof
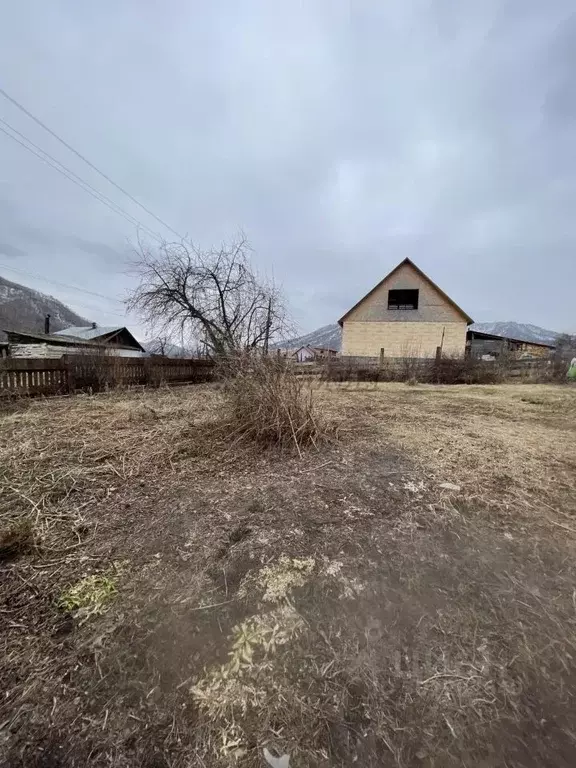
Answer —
422 275
101 333
314 349
27 337
88 331
499 337
49 338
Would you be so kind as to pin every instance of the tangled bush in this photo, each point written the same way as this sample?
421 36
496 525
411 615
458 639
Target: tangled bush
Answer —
412 370
269 404
466 370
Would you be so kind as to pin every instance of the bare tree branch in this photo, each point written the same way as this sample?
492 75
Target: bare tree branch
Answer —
214 296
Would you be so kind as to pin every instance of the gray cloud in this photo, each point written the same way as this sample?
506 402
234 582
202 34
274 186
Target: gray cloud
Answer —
340 136
11 251
106 253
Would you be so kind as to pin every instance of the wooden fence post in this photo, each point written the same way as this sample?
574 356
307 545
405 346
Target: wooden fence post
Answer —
70 377
381 357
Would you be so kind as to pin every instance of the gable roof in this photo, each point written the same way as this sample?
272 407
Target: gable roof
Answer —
422 275
15 337
62 340
101 333
304 346
87 331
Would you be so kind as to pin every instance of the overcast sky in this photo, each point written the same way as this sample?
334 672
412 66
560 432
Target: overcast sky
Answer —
340 136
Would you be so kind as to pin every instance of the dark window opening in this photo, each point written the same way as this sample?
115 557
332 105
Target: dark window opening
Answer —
403 299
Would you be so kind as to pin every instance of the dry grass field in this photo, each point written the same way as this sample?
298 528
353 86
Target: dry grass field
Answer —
403 595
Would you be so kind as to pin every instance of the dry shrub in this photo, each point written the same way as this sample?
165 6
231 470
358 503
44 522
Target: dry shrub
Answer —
554 370
351 370
447 370
269 404
465 370
10 402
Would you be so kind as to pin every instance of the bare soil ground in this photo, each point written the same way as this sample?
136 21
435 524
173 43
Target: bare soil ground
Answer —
404 596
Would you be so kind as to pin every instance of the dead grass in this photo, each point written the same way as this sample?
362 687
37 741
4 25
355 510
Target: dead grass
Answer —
507 446
16 538
343 608
61 456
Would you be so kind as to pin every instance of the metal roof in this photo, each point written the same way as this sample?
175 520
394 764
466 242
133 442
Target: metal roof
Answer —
51 338
101 333
88 332
499 337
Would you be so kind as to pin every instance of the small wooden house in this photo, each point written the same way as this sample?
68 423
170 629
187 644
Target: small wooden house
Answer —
112 342
309 354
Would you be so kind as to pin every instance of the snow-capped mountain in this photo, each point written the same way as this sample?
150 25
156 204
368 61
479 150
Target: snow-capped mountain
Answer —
165 348
24 309
520 331
331 335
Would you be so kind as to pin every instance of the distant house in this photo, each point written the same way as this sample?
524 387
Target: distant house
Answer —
308 354
405 315
115 342
490 346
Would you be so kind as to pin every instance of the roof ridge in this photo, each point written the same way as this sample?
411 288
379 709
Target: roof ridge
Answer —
422 274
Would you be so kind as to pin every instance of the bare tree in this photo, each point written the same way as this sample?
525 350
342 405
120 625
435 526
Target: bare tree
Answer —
162 345
566 345
215 297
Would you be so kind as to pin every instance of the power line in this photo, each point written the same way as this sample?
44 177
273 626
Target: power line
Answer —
132 219
85 159
88 309
62 285
47 158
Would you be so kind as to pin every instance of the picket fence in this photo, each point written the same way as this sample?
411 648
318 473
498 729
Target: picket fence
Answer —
73 373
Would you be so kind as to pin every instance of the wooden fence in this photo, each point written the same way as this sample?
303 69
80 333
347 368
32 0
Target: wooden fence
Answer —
74 373
444 370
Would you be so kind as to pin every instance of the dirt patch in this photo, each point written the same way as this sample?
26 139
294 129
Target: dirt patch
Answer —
342 608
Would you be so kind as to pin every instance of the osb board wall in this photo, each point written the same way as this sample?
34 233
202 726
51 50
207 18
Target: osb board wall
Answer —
432 306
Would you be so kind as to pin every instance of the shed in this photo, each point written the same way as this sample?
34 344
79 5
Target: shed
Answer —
490 346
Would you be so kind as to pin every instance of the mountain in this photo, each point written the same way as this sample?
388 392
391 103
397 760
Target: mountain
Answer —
24 309
331 335
520 331
163 347
328 336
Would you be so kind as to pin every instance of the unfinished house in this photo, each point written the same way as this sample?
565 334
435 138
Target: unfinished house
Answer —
405 315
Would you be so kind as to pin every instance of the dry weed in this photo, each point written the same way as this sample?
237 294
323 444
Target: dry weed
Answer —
270 405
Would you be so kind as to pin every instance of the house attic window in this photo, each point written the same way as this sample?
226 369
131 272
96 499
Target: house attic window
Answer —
403 299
